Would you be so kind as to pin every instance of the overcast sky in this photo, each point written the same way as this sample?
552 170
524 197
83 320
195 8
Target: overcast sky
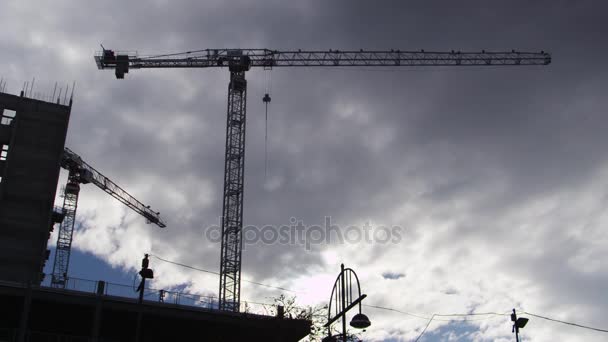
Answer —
498 177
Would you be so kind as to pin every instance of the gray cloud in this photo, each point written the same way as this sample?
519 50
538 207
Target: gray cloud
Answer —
392 275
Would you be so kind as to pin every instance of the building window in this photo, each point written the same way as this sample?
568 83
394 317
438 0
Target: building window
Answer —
4 152
7 117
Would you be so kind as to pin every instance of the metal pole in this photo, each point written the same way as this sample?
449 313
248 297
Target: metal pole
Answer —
343 292
142 288
515 327
141 291
96 318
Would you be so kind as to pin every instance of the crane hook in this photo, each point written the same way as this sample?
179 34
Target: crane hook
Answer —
266 100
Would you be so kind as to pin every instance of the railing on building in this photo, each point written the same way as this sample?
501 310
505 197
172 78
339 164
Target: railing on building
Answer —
164 296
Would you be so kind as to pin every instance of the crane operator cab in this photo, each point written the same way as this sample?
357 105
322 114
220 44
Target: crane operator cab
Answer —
108 55
105 58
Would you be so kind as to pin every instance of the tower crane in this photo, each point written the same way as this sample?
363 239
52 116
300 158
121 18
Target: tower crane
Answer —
82 173
238 62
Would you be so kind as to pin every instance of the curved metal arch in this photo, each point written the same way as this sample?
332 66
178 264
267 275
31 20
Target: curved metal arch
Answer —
346 273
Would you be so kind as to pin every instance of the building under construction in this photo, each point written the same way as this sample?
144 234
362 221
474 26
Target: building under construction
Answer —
32 137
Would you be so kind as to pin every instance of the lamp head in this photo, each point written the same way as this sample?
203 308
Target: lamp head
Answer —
360 321
521 322
146 273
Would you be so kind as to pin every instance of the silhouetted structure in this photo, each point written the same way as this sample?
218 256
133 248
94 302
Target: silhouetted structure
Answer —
32 137
341 301
238 62
518 323
145 273
30 314
81 172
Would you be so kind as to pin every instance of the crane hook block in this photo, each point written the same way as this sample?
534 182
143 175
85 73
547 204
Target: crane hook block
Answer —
266 98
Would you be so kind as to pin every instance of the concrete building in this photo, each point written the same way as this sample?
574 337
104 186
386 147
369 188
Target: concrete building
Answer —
32 138
49 314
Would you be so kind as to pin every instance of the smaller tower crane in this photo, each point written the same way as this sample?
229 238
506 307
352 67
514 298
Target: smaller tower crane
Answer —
82 173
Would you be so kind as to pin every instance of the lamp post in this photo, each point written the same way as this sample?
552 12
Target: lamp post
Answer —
145 273
518 323
341 300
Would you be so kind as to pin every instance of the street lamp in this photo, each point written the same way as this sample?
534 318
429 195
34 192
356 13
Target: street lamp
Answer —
341 300
518 323
145 273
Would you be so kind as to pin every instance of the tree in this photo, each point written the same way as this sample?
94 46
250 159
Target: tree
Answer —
317 314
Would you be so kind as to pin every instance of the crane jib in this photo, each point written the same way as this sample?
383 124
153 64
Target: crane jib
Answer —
123 62
85 174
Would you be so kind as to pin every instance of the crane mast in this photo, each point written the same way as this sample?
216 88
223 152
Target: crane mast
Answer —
82 173
238 62
66 229
232 207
